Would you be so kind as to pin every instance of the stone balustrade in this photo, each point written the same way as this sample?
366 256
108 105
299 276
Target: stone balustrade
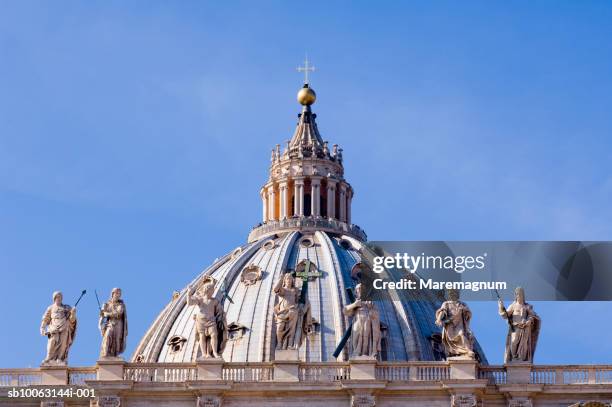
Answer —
77 376
306 223
313 373
20 377
159 372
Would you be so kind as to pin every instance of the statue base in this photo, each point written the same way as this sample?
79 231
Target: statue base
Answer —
363 367
462 367
210 368
518 372
54 363
286 355
54 374
286 365
111 359
110 369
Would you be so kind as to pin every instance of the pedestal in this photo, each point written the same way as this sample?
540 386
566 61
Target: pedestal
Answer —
518 372
286 354
363 368
110 369
54 375
286 365
462 368
210 368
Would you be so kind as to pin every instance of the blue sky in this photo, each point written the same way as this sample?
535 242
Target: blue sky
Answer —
134 138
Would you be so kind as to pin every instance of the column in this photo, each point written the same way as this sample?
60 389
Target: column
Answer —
315 196
271 202
264 201
331 198
342 209
282 186
349 200
298 201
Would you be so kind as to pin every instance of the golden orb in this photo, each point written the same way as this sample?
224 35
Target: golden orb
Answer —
306 96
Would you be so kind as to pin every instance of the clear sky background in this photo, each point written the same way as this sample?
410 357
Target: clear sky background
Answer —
134 138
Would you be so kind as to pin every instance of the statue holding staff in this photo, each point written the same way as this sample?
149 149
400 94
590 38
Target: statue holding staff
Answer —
454 318
523 333
365 334
59 325
113 326
211 324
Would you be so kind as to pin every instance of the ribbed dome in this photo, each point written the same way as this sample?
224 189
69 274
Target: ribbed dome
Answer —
408 327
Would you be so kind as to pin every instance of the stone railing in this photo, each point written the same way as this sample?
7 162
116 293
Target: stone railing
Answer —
241 372
20 377
412 371
78 375
306 223
494 374
324 372
574 374
328 372
160 372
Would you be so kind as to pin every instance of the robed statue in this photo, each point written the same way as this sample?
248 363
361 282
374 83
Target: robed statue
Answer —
291 314
365 333
113 326
454 318
211 323
59 325
523 330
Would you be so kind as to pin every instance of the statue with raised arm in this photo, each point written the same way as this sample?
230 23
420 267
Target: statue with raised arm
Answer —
59 325
523 333
292 317
211 324
113 326
454 319
365 334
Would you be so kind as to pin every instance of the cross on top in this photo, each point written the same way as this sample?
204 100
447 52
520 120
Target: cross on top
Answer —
306 68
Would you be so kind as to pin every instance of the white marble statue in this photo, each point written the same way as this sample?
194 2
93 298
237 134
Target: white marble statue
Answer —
454 318
293 319
365 334
113 326
59 325
211 324
523 336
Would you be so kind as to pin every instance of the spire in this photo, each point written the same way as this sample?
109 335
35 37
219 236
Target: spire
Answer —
306 140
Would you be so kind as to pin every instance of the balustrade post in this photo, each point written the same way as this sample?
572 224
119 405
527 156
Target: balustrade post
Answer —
54 375
363 368
210 368
518 372
462 368
286 365
110 369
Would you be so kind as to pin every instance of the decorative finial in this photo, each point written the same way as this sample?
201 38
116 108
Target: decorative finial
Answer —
306 68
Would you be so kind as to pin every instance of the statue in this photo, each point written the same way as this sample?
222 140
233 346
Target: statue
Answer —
211 325
524 328
59 325
365 334
454 318
113 326
291 313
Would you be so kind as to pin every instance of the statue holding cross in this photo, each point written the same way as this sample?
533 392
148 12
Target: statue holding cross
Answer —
292 312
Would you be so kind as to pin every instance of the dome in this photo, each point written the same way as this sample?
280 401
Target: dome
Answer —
306 220
250 273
